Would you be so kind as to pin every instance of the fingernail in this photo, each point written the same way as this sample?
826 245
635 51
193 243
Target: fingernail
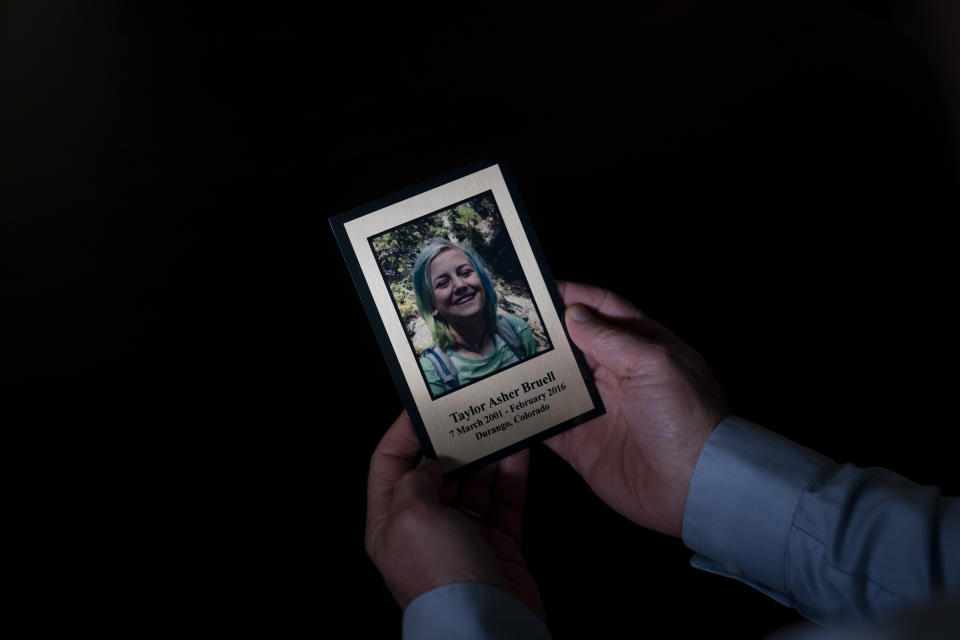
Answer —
579 312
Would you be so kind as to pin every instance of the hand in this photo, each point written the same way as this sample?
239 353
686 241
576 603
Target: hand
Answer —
419 533
662 404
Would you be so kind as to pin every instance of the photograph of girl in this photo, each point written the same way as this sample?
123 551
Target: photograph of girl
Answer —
461 295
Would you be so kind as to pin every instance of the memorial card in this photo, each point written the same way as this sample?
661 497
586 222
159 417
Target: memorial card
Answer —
469 320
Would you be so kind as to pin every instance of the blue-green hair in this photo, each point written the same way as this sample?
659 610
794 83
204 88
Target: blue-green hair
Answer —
427 302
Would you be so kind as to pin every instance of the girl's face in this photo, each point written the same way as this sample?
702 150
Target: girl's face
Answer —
456 286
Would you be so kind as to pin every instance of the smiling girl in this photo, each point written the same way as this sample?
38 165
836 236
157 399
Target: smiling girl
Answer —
456 298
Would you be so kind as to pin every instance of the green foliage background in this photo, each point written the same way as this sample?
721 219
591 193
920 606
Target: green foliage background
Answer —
475 222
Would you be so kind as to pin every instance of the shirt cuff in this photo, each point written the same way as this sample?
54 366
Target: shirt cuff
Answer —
470 611
742 500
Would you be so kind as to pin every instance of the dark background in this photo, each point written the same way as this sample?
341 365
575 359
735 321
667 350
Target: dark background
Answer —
190 390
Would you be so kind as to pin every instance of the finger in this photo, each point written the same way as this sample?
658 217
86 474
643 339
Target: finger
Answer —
562 287
392 458
611 308
572 443
509 495
422 484
603 301
591 363
613 347
476 490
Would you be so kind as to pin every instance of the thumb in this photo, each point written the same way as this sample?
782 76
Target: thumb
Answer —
422 484
615 348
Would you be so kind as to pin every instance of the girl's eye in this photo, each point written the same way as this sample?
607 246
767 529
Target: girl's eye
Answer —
440 283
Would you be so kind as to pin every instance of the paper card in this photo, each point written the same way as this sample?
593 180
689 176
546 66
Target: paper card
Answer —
466 313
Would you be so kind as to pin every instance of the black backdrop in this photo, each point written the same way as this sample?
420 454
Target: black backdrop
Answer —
191 394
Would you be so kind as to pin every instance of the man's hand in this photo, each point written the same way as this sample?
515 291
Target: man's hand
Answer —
662 404
422 534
